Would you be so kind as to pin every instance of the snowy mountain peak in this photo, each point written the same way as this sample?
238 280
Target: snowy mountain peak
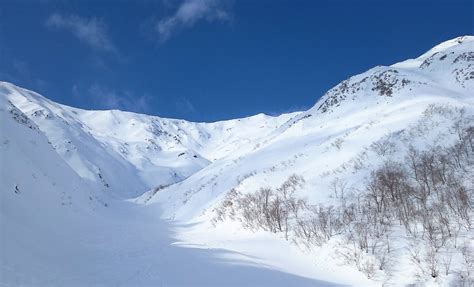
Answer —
462 42
449 64
465 40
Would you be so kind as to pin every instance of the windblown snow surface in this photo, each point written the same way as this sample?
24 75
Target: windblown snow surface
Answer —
113 198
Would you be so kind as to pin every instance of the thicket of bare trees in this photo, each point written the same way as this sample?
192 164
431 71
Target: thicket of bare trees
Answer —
428 196
268 209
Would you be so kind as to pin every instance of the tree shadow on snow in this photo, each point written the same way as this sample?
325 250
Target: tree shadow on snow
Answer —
201 266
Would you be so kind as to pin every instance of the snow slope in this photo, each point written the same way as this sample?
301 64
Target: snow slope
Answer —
348 118
117 198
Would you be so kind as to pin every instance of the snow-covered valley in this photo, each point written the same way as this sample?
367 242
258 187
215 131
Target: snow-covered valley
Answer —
113 198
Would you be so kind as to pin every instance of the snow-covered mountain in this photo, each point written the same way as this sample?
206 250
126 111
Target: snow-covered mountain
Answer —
130 153
118 198
384 101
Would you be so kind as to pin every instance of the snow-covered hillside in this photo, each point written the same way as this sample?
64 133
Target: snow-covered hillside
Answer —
117 198
347 119
129 153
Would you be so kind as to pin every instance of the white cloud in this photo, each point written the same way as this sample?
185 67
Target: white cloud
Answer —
107 98
21 68
190 12
90 31
184 106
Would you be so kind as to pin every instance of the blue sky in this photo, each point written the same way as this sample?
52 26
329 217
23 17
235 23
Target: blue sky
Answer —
207 60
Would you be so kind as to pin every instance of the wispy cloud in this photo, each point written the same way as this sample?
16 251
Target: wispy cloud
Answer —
104 97
184 106
111 99
91 31
20 72
21 67
190 12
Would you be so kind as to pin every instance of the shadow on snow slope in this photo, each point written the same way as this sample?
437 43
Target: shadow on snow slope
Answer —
123 245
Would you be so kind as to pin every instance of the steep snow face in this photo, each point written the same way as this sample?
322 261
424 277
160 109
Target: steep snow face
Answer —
40 195
32 168
344 122
129 153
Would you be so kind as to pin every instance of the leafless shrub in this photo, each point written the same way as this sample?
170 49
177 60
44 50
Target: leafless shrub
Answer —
383 147
432 261
467 274
368 267
446 259
338 143
339 186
